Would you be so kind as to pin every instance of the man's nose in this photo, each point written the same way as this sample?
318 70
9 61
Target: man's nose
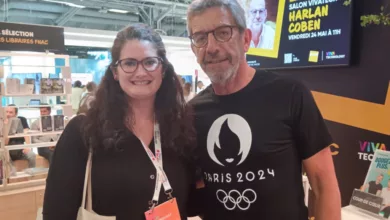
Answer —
212 45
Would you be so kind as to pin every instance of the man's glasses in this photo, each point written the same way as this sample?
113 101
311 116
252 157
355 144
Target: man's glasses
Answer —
130 65
260 11
221 34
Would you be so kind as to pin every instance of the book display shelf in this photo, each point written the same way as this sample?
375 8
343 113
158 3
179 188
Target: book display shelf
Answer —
51 88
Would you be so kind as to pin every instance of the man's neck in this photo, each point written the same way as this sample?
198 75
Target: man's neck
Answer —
243 77
142 109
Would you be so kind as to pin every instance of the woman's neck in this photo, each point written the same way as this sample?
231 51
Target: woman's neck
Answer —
143 116
142 109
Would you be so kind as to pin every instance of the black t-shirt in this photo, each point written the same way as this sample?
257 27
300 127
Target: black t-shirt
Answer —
122 181
251 145
373 187
24 122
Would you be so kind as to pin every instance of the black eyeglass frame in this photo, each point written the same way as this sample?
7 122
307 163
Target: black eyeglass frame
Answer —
213 31
119 63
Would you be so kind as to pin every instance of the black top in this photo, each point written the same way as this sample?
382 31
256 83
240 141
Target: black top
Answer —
123 181
24 122
251 145
373 187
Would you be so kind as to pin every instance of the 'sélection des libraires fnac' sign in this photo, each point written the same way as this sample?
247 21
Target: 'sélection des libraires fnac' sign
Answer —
23 37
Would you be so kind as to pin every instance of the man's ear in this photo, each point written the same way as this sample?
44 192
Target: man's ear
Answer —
247 39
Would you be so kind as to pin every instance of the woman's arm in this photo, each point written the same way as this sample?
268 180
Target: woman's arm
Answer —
64 185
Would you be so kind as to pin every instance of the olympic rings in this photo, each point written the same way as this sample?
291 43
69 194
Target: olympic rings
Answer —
236 198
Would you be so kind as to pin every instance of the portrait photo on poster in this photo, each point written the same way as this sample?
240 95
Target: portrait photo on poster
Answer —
264 18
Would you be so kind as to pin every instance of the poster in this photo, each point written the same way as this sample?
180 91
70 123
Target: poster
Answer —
298 33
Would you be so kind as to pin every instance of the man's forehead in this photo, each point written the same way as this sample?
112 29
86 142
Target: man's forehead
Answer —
257 3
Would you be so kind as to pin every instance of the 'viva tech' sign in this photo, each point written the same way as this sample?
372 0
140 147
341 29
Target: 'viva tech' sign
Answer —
368 148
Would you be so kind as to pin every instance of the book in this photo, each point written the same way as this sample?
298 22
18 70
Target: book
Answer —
58 122
31 83
47 124
58 86
377 181
46 86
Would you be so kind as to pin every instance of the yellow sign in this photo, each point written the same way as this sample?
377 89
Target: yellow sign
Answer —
313 56
357 113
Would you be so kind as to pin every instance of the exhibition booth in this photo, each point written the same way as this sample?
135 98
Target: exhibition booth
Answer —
41 74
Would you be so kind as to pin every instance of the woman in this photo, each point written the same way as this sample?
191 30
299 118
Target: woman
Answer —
188 95
138 89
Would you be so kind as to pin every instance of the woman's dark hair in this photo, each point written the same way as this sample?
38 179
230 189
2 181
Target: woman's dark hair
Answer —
110 112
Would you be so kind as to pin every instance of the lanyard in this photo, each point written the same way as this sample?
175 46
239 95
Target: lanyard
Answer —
156 159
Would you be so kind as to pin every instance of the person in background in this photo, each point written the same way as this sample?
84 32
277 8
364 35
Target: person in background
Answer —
374 187
182 80
26 153
188 94
139 100
200 86
46 152
256 130
77 91
85 102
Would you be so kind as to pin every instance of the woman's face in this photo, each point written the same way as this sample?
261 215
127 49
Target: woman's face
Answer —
139 84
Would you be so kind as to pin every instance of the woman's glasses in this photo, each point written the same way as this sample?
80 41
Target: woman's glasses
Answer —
130 65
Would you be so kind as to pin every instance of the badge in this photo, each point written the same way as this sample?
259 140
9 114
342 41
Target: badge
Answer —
165 211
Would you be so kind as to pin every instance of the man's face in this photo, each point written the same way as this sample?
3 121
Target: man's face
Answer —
10 112
44 111
257 14
379 178
219 60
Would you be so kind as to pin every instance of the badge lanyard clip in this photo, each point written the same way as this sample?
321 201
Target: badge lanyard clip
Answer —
161 177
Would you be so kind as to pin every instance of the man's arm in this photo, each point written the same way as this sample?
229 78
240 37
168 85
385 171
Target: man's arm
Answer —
35 126
313 141
364 187
322 177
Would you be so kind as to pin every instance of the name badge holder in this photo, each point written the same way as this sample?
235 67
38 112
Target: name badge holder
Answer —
169 209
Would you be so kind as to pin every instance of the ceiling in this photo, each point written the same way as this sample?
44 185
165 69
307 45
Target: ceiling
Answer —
166 16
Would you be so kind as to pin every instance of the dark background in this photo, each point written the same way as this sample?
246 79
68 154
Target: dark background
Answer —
339 18
366 79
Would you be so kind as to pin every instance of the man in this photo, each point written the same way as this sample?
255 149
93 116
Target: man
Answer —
46 152
255 129
374 187
86 100
26 153
263 35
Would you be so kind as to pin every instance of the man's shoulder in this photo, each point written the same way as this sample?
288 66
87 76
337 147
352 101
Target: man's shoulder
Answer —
274 79
202 97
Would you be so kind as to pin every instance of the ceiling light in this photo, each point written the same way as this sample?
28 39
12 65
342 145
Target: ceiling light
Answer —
118 11
66 3
89 35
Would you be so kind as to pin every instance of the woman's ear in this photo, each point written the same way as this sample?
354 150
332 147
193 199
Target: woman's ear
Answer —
114 73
